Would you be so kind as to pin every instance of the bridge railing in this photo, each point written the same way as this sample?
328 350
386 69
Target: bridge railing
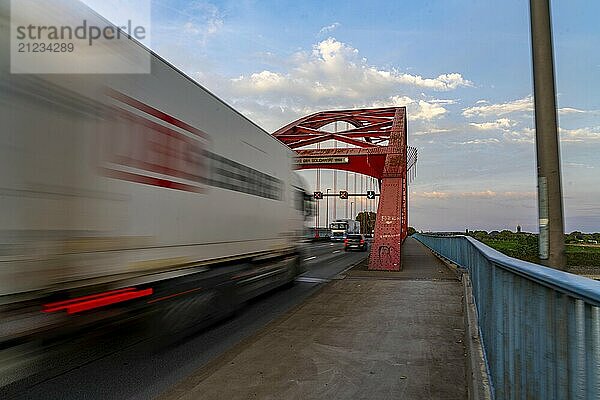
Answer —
540 327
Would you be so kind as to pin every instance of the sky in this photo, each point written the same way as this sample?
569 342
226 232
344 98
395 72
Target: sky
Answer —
461 67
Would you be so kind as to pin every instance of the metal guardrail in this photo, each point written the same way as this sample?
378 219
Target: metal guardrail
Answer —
540 327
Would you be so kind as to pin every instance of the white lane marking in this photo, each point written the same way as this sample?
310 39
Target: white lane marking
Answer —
352 266
310 258
337 251
331 244
311 280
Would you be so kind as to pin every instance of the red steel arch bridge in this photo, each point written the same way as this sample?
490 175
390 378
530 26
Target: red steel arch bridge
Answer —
378 137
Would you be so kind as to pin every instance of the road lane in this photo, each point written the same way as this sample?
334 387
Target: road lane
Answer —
134 367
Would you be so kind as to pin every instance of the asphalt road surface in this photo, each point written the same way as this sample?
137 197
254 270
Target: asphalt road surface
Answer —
129 364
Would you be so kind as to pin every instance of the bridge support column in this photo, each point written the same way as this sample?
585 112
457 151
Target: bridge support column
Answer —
386 248
392 213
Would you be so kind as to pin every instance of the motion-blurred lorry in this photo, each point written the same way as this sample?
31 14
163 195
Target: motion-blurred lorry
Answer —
123 192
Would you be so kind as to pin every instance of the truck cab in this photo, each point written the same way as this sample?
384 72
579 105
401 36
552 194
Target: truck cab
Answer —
342 227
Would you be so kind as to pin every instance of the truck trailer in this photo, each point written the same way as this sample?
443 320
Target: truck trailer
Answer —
123 192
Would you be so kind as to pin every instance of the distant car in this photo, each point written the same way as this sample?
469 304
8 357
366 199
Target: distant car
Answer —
355 242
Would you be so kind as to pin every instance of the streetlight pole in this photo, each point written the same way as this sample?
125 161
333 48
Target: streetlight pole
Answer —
327 211
551 223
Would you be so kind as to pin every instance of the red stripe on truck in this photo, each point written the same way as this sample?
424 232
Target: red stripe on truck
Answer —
155 112
149 180
60 305
85 303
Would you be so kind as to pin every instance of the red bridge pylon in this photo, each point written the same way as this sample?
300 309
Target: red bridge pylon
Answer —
380 139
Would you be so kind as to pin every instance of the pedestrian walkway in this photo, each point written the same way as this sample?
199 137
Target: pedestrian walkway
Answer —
418 263
388 335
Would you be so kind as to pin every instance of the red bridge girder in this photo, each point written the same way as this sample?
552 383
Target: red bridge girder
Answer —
381 151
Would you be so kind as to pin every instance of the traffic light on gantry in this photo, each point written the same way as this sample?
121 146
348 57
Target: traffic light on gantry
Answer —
318 195
343 195
370 194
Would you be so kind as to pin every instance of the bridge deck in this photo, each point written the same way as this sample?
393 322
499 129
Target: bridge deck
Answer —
363 337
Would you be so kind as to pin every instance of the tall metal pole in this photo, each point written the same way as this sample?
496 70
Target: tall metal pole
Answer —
335 177
352 216
551 223
317 220
362 190
327 211
318 205
347 188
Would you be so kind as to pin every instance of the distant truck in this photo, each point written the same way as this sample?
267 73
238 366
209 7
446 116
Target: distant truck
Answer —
340 228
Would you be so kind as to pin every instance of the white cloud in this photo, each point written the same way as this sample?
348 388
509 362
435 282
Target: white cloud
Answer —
329 28
428 111
335 69
502 123
578 165
205 20
191 29
580 134
442 101
524 135
483 194
333 75
521 105
442 82
569 110
429 131
431 195
524 105
480 141
213 26
265 81
416 109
